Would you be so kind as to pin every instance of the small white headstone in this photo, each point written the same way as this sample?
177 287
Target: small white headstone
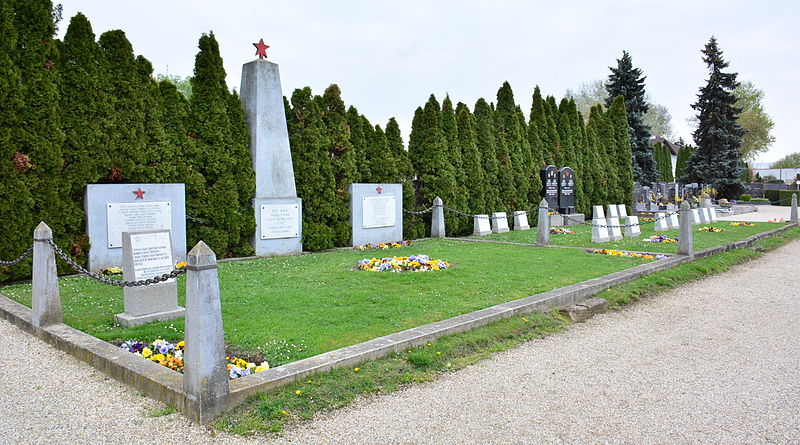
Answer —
661 222
599 230
614 228
704 218
672 220
712 213
612 211
598 212
481 225
623 212
499 222
632 228
696 217
521 220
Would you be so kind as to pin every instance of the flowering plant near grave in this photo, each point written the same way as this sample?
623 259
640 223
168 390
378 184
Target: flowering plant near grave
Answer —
112 271
384 246
171 356
646 220
561 231
743 224
646 256
710 229
660 239
413 263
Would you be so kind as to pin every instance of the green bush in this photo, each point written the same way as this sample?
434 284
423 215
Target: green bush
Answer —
745 197
771 195
759 200
785 197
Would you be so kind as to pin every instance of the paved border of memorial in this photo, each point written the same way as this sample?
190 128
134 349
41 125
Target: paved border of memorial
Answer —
163 384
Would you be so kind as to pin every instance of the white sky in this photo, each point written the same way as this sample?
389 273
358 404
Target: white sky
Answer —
388 57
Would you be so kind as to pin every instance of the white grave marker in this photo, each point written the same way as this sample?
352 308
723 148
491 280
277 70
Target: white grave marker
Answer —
499 222
481 225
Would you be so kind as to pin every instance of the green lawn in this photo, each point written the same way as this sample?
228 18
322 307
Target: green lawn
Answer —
583 237
288 308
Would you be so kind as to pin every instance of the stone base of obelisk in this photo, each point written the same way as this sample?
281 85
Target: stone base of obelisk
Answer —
279 226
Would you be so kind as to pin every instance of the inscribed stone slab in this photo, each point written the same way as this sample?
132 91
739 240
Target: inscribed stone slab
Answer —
376 213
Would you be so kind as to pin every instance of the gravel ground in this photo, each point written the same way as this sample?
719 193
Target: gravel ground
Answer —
714 361
764 213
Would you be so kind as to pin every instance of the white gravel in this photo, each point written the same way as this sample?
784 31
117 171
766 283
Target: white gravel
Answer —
716 361
764 213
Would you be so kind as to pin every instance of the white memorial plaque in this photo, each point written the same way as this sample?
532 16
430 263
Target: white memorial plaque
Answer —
378 212
280 221
152 255
135 217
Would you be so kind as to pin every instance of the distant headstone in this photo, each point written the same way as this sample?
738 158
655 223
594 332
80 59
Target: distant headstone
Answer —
632 227
549 176
672 220
622 211
712 213
661 222
614 229
696 217
112 209
376 213
499 222
597 212
704 218
612 211
278 210
566 191
481 225
147 254
521 220
600 231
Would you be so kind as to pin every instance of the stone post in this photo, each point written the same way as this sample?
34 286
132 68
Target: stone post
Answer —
437 218
793 214
685 243
205 377
543 226
46 301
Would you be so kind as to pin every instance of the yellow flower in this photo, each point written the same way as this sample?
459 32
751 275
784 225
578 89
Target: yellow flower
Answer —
283 412
298 392
158 358
438 353
356 369
147 352
524 319
180 265
181 345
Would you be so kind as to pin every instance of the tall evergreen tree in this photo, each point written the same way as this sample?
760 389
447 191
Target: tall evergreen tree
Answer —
684 154
718 135
343 160
449 128
627 81
473 165
529 140
605 149
220 153
176 126
157 162
414 225
405 176
510 151
358 139
484 133
618 119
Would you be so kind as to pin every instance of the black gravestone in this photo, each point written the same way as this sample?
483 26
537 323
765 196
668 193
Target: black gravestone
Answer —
566 191
550 185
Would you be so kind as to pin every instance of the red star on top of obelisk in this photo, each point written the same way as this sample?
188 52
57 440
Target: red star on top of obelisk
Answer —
139 193
261 49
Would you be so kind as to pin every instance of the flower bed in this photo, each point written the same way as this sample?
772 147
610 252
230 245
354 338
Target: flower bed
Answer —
561 231
743 224
413 263
384 246
171 356
711 229
646 256
660 239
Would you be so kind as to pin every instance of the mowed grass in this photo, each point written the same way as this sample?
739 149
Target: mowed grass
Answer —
287 308
702 240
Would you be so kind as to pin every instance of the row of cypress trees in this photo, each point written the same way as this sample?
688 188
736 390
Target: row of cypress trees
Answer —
663 158
86 110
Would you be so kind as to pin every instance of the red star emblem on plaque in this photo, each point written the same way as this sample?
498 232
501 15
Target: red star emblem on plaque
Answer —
139 193
379 190
261 49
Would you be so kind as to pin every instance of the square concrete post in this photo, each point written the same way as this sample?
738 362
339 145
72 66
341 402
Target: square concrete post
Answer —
205 375
793 214
543 225
45 299
686 243
437 219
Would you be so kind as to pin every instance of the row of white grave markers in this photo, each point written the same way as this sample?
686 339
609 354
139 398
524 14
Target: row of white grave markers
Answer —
703 215
610 228
498 223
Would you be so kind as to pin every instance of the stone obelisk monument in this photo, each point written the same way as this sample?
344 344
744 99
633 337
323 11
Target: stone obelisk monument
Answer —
278 210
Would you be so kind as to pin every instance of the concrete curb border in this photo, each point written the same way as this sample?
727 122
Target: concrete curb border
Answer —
165 385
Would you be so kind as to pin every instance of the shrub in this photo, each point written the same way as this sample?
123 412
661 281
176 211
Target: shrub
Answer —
785 197
771 195
759 200
745 197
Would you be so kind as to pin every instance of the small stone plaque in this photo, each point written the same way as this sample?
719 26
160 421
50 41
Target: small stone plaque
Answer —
378 212
279 221
134 217
152 255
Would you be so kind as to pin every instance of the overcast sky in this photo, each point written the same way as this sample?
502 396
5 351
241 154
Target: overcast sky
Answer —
388 57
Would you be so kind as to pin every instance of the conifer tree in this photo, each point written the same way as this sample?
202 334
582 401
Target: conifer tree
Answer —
627 81
220 153
16 202
308 137
484 133
382 162
684 154
473 165
449 128
514 189
343 160
533 161
578 138
617 116
605 186
718 135
158 159
358 139
175 123
414 225
405 176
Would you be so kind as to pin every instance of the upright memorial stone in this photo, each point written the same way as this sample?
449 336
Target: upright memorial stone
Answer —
521 220
661 222
146 255
376 213
686 240
278 210
695 216
672 220
115 208
599 230
613 223
549 176
437 219
480 225
543 226
566 191
499 222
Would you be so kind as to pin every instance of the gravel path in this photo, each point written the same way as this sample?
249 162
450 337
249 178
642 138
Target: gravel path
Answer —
716 361
764 213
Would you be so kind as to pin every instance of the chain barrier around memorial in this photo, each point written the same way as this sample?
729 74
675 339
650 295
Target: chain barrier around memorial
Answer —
421 212
98 277
198 221
19 259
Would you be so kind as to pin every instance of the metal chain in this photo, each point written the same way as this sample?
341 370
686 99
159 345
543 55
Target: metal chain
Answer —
198 221
421 212
25 254
102 279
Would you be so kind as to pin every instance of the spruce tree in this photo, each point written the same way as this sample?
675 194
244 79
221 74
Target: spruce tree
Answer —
514 180
473 165
627 81
220 153
618 119
343 160
308 138
484 133
16 202
718 135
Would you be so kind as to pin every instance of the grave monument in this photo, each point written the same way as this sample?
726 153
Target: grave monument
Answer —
549 192
376 213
